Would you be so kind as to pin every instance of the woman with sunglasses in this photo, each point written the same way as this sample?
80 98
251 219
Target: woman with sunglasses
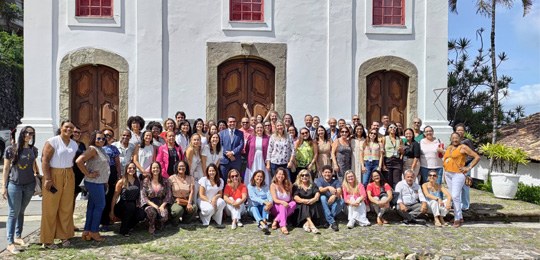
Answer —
94 163
342 153
306 194
306 154
371 156
354 196
20 167
235 194
284 205
260 200
357 143
435 194
393 148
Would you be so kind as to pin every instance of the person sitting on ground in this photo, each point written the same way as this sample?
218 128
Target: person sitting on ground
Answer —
434 195
128 208
155 196
210 199
183 192
284 206
331 196
379 194
411 201
306 194
260 200
354 196
235 195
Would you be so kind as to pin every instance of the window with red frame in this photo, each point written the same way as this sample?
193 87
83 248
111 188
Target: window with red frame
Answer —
246 10
388 12
94 8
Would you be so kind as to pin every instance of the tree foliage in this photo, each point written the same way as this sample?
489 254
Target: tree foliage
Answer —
470 88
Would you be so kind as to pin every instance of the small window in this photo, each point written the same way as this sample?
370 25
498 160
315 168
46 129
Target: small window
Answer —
246 10
94 8
388 12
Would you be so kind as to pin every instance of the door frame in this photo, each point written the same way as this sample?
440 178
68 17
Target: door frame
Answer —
394 63
93 56
219 52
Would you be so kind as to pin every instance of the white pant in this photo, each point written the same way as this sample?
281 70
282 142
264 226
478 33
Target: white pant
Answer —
358 213
455 182
208 212
436 209
235 213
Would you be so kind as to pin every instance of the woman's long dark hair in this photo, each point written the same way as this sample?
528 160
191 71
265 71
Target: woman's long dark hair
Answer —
217 178
363 131
19 145
325 136
177 164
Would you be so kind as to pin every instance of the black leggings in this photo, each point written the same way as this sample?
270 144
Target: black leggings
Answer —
394 168
129 213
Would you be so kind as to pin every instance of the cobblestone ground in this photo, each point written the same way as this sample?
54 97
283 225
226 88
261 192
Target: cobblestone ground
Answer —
395 241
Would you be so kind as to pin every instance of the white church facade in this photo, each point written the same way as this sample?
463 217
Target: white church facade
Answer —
97 62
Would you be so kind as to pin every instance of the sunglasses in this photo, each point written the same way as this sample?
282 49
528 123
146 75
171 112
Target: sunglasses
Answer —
245 122
234 176
108 136
304 133
344 132
304 175
433 175
99 139
30 133
416 123
372 133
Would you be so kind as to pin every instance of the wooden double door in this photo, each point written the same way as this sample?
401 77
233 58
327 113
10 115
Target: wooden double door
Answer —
387 95
94 99
249 81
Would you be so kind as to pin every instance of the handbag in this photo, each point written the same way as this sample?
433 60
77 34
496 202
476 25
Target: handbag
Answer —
37 189
468 181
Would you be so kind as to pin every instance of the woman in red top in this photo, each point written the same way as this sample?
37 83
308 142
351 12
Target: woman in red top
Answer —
235 195
379 194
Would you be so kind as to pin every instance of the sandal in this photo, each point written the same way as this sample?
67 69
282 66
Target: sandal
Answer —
49 246
274 225
457 224
306 228
314 230
284 230
66 243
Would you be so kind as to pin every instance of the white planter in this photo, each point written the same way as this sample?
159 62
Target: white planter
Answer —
504 185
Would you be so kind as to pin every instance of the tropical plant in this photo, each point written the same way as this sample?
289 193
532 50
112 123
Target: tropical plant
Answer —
506 159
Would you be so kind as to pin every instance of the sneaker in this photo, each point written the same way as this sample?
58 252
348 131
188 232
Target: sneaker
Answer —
363 224
334 226
49 246
12 249
19 241
420 221
239 224
351 223
233 226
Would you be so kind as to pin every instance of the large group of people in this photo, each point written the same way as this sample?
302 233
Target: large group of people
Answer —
279 173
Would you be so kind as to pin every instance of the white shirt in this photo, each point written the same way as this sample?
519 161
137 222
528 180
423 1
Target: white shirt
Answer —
409 195
63 155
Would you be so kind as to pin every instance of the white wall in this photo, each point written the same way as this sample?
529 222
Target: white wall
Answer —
530 173
164 43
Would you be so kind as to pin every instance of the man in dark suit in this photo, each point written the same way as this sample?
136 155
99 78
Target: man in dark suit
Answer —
232 142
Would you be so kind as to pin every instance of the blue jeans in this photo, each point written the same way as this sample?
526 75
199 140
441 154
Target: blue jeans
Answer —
18 198
370 167
258 213
95 206
425 171
465 197
331 211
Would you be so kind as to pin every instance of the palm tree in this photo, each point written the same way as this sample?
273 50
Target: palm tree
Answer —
487 8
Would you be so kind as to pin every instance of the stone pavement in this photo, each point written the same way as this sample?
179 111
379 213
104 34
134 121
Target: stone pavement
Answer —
494 229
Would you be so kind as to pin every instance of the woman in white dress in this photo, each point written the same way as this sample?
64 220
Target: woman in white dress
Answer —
210 199
144 154
195 159
256 150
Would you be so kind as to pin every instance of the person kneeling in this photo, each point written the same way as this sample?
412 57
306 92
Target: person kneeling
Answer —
260 200
128 208
183 191
411 201
210 193
331 196
235 195
306 194
434 194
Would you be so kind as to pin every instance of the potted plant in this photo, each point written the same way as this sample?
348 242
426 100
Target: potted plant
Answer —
506 159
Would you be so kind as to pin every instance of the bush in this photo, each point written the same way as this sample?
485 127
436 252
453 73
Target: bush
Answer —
528 193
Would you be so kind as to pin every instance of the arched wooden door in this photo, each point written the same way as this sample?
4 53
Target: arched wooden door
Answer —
387 95
94 99
247 81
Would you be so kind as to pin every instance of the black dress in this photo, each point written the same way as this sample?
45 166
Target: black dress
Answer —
304 211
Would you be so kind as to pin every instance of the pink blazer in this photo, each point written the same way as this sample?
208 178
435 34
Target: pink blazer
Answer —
250 148
163 158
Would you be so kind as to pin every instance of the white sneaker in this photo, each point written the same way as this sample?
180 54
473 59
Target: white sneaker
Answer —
12 249
233 226
351 223
239 223
20 241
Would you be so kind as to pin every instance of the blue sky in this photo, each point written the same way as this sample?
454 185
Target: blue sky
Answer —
516 35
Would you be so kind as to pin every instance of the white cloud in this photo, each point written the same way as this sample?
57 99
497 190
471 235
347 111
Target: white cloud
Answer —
527 96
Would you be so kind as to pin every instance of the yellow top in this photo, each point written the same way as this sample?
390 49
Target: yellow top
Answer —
453 159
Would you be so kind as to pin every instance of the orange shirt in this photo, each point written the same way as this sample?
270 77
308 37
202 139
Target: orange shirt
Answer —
453 160
235 193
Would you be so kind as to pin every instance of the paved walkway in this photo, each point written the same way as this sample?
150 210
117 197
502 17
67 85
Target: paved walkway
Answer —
494 229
